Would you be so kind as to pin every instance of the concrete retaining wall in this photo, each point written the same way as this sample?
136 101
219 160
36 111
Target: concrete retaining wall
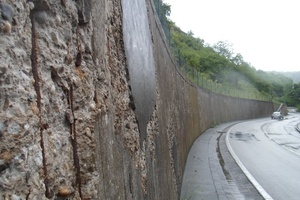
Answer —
72 120
191 109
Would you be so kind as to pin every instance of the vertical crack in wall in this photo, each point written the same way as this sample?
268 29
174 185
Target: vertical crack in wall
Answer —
78 60
83 11
74 138
73 134
34 65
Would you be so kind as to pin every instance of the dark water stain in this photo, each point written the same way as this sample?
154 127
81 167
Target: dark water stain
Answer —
140 60
231 182
243 136
221 160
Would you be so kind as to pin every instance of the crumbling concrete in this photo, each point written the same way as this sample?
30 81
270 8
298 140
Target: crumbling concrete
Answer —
69 127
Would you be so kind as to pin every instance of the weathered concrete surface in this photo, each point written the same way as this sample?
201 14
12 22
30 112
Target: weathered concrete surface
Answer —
185 111
69 116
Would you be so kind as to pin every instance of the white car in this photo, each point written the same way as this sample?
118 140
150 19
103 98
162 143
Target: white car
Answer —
277 115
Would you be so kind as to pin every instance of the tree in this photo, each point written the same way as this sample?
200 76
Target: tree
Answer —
166 9
224 49
293 97
237 59
190 33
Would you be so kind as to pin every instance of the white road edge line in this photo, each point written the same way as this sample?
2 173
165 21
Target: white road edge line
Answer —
259 188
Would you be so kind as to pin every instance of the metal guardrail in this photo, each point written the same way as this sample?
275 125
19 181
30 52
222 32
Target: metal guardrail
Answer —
194 76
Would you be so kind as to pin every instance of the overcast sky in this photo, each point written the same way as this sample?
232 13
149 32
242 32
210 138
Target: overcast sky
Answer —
265 32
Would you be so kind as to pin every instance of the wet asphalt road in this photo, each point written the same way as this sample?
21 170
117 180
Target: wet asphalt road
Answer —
211 172
270 151
266 165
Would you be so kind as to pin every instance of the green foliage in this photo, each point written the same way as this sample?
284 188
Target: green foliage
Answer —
166 9
197 55
217 68
221 65
224 49
293 96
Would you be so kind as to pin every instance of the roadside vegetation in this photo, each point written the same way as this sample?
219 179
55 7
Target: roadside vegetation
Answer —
222 66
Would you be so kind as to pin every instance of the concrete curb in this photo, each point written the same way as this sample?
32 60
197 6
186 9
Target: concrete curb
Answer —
259 188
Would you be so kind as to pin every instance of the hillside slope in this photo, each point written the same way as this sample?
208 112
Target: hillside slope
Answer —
295 76
221 65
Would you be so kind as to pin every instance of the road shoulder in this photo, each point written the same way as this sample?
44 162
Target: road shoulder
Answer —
211 172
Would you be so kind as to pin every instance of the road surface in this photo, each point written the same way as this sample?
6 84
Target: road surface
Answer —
269 152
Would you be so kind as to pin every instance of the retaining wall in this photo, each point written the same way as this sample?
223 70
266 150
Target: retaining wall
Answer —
77 121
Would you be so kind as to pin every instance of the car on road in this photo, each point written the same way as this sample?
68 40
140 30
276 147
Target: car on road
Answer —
277 115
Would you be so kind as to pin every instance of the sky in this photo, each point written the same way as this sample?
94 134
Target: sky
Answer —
265 32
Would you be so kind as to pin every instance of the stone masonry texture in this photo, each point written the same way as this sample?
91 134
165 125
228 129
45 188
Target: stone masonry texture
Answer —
69 124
